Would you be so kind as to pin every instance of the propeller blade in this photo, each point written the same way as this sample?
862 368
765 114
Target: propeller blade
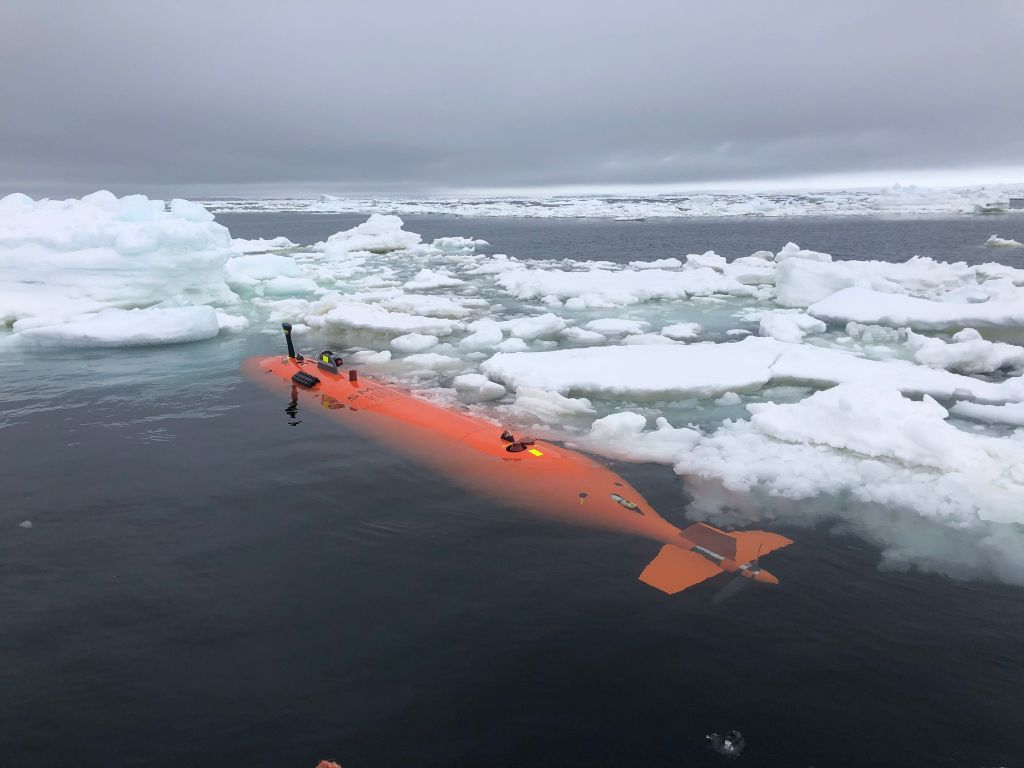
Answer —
732 588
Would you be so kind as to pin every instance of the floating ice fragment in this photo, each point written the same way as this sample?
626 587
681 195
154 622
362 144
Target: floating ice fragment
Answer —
613 326
380 233
128 328
968 353
682 331
867 306
477 387
260 245
413 342
789 326
1000 242
1010 413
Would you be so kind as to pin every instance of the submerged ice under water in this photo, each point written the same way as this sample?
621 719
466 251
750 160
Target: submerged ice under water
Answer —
718 368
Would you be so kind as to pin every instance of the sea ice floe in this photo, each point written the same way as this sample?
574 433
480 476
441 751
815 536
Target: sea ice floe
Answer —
625 436
550 407
1010 413
380 233
871 307
892 469
709 370
61 259
335 315
614 326
247 272
1002 242
475 387
131 327
600 288
967 353
411 343
789 326
682 331
260 245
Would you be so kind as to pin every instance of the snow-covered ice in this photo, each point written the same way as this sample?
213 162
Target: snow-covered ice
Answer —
709 370
1003 242
871 307
128 328
63 261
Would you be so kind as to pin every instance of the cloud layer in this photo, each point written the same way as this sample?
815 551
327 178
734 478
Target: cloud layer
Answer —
421 97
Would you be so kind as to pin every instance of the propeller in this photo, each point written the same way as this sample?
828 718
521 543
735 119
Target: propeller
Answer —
736 584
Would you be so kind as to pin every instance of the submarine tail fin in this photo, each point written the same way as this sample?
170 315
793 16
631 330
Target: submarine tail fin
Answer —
751 545
675 569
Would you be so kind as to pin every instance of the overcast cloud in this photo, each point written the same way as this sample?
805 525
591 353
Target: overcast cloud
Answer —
221 97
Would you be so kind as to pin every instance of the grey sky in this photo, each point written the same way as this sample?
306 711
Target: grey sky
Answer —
252 97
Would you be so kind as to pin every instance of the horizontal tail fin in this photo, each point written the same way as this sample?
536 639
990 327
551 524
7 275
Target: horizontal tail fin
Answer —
739 546
751 545
675 569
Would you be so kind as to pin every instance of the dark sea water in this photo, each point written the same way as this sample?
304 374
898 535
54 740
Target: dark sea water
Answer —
206 584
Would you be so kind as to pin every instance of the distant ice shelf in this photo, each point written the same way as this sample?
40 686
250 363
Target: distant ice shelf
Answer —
894 200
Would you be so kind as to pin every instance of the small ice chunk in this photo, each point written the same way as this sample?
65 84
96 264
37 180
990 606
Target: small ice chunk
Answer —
647 338
477 387
1010 413
729 398
260 245
413 342
513 345
289 286
248 271
487 335
381 233
789 327
670 263
369 356
551 407
429 279
876 334
231 323
708 259
1000 242
25 524
793 251
614 326
576 335
681 331
625 436
539 327
433 361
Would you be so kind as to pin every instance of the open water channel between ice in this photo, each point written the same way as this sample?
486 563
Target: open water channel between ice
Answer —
211 580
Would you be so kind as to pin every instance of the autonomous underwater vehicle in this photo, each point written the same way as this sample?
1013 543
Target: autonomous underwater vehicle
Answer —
543 478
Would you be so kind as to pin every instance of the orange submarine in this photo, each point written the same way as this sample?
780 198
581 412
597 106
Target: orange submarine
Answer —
538 476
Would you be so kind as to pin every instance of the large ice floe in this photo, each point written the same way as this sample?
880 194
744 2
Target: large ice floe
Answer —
883 397
67 267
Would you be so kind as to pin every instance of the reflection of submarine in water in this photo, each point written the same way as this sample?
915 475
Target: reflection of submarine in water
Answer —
543 478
